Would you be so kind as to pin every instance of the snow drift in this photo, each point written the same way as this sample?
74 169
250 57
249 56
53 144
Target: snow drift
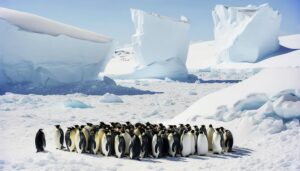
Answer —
37 50
245 34
160 46
251 94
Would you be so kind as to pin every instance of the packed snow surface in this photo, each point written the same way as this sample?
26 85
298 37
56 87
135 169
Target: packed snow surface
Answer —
37 50
160 46
245 34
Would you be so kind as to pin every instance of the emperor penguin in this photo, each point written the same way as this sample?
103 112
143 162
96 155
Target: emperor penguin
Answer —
99 136
106 143
222 131
216 142
174 143
119 145
80 141
40 141
94 141
145 145
70 138
157 145
228 141
86 134
210 133
127 139
185 142
58 137
202 144
135 148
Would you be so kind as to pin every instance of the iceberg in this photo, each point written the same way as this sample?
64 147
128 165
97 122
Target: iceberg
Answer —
159 44
41 51
245 34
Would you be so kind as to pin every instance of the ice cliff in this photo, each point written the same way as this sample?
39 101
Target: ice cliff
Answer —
245 34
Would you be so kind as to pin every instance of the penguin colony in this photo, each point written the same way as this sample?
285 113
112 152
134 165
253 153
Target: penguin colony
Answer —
140 140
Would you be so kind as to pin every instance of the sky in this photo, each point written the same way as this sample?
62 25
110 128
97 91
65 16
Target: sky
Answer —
112 17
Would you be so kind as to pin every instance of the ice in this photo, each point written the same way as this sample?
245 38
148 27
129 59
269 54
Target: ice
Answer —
247 95
245 34
76 104
37 50
201 57
160 46
252 101
287 106
111 98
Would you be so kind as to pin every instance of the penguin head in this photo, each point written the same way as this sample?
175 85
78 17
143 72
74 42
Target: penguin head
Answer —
210 125
192 131
57 126
89 124
76 126
40 130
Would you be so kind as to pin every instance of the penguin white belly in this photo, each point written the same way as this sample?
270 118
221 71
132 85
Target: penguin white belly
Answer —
57 139
103 145
86 135
73 140
202 145
216 143
116 145
97 144
100 133
210 133
77 142
154 141
186 143
127 139
193 145
171 142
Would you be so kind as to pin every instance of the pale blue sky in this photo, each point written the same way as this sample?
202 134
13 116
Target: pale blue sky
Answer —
112 17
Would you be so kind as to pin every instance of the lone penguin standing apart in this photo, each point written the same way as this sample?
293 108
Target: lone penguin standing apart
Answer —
58 137
40 141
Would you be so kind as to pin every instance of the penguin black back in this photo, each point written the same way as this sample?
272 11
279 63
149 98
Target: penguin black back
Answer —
68 139
82 142
40 141
135 147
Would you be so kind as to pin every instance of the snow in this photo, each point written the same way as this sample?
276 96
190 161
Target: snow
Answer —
160 46
245 34
76 104
41 51
111 98
263 82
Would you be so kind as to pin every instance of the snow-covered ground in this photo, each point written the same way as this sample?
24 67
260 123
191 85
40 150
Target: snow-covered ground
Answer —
22 115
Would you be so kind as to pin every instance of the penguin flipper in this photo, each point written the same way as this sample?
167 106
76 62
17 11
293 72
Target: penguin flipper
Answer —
173 147
156 147
44 141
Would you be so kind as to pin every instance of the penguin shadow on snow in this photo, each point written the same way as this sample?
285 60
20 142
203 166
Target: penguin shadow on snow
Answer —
236 153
